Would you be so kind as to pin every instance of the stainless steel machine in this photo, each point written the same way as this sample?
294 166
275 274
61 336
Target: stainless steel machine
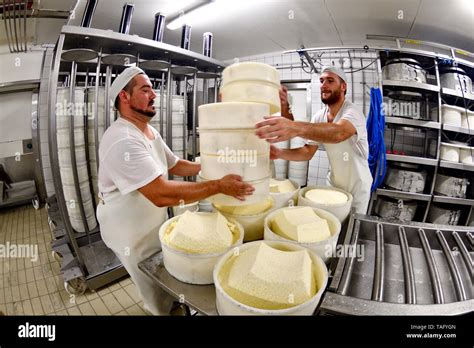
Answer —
402 269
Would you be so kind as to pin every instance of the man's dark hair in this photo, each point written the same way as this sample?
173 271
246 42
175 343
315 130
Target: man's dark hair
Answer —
342 81
128 88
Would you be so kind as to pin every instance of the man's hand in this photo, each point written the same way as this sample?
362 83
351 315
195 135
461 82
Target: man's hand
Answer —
276 129
275 152
233 185
285 105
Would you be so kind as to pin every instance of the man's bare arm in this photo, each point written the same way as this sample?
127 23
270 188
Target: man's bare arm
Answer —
185 168
165 193
276 129
304 153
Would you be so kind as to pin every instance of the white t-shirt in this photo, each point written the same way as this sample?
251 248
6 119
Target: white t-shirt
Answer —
126 159
350 113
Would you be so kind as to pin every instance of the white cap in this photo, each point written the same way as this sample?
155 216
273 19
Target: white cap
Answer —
121 81
339 72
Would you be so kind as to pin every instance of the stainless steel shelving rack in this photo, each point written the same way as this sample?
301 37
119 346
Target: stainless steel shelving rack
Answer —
97 55
434 164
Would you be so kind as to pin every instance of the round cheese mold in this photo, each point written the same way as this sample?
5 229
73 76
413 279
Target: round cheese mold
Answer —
269 278
192 267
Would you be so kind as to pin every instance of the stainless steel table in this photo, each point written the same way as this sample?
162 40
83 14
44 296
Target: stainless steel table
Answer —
201 298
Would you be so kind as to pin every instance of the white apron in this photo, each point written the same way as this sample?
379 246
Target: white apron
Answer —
351 173
129 226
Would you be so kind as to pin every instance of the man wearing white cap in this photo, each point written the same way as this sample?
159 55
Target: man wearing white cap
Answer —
340 126
134 185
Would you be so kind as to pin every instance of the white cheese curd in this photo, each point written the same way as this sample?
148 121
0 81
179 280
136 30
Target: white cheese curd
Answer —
326 196
281 186
268 278
301 224
201 233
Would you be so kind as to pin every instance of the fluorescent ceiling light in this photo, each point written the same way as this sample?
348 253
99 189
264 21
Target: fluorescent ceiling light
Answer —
207 11
469 4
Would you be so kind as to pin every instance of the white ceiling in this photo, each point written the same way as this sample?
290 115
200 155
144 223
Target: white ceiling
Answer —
260 26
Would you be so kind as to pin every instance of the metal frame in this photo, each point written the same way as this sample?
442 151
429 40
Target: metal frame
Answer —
36 141
88 250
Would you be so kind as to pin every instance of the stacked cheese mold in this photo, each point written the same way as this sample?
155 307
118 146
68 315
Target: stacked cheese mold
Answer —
268 277
91 100
251 82
229 146
227 130
178 126
65 111
331 199
313 228
193 242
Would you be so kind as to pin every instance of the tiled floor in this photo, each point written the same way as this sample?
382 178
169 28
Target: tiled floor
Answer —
37 288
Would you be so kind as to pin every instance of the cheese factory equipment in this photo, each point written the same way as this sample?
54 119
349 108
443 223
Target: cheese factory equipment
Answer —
405 269
443 214
406 104
402 210
455 78
404 69
406 177
451 186
84 76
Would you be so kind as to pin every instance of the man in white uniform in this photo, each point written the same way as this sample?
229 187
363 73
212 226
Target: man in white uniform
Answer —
340 126
134 185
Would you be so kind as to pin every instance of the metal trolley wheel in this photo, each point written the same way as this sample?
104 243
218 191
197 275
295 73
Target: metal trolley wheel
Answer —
57 256
75 286
36 203
52 225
